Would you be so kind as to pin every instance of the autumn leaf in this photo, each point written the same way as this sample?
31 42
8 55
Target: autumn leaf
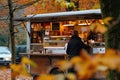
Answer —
63 3
35 4
56 1
112 63
71 4
111 53
59 77
71 76
46 77
107 20
111 57
97 27
64 65
92 26
87 70
16 67
100 28
96 6
85 55
26 60
43 5
20 69
76 60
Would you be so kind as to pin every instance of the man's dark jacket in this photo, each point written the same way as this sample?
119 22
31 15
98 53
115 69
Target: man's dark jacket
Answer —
74 46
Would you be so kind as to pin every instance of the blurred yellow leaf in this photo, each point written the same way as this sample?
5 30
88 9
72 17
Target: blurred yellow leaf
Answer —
71 4
20 69
71 76
26 60
100 28
16 67
64 65
111 53
96 6
111 58
97 27
85 55
35 4
60 77
63 3
46 77
56 1
107 20
76 60
110 62
87 71
92 26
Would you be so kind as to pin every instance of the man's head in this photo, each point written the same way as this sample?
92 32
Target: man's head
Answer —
75 32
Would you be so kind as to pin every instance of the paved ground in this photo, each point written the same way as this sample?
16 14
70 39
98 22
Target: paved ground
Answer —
5 74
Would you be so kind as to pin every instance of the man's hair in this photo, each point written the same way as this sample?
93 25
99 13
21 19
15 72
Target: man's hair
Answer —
75 32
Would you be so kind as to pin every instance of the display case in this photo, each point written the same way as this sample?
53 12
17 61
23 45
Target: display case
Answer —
98 48
55 44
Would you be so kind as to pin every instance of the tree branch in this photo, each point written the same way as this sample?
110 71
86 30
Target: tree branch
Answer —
3 6
26 29
25 5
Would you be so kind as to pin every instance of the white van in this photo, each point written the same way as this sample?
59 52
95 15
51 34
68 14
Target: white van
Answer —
5 55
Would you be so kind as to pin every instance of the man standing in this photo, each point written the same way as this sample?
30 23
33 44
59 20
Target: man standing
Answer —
75 45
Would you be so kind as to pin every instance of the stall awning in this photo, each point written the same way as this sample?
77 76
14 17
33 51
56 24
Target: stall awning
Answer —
63 16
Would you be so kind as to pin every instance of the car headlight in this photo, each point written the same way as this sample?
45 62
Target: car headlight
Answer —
8 58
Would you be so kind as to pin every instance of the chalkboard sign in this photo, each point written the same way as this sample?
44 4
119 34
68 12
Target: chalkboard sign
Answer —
55 26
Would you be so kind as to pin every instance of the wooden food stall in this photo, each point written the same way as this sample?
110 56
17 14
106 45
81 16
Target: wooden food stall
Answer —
50 32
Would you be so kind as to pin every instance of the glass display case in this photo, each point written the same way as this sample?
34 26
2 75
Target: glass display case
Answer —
98 48
55 44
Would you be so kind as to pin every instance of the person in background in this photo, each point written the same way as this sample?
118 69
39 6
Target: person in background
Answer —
42 33
91 37
75 45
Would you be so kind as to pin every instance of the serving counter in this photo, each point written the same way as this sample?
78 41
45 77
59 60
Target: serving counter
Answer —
46 54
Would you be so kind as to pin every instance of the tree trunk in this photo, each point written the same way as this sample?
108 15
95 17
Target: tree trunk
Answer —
11 25
111 8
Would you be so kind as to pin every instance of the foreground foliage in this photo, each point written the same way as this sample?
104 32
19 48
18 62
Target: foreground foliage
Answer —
85 66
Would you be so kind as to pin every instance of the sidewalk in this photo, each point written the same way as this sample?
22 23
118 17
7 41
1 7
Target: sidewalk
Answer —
5 74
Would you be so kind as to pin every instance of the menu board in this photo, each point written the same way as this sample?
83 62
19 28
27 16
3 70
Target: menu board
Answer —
55 26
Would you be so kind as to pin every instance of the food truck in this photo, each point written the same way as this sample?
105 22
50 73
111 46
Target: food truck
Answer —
50 32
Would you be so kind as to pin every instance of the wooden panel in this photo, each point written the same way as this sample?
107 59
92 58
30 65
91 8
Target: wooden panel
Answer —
45 62
42 63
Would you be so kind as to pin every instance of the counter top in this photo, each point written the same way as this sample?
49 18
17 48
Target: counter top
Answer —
36 44
54 47
47 54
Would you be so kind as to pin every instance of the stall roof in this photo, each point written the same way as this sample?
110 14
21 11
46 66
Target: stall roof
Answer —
63 16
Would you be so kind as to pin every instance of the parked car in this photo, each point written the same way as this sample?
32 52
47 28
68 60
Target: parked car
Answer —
5 55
